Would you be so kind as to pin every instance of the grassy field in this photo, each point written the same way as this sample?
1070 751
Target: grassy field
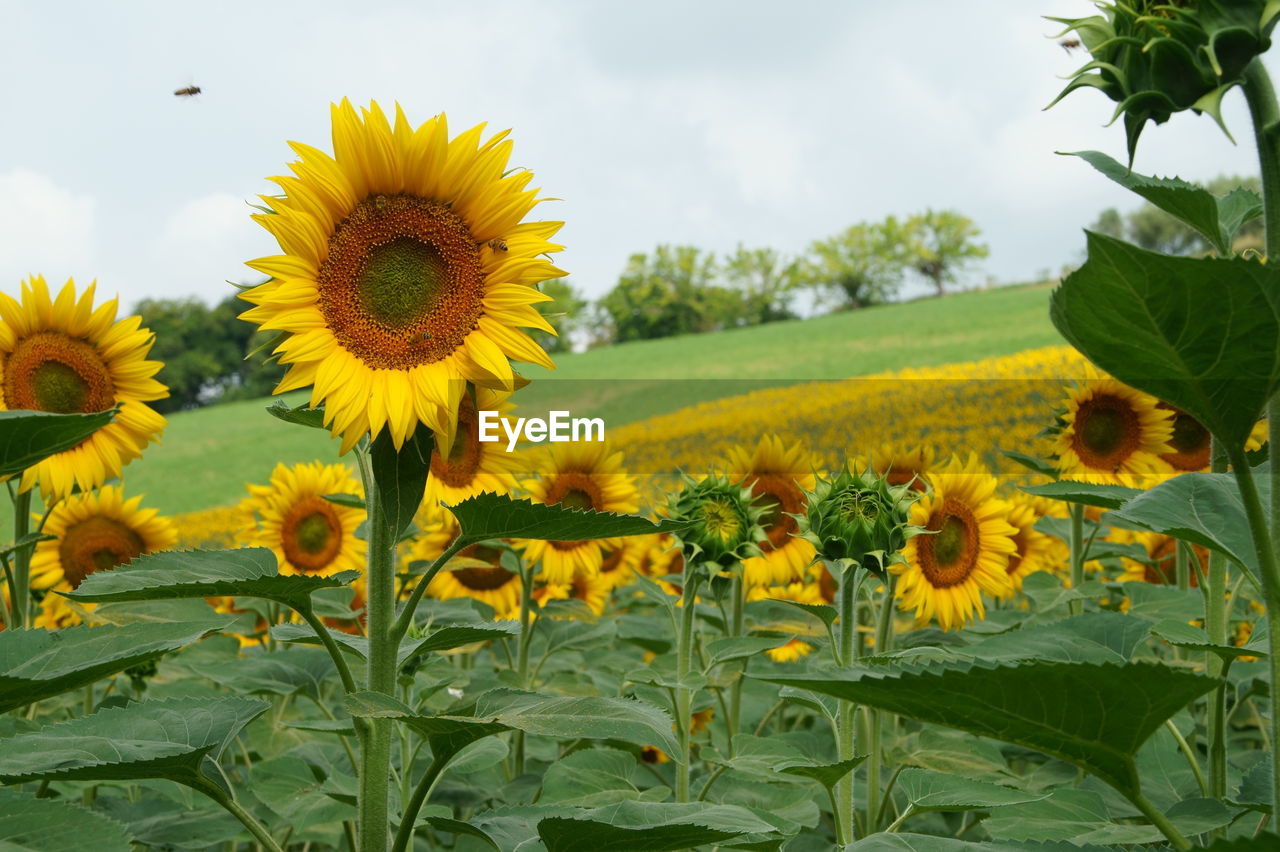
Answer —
207 456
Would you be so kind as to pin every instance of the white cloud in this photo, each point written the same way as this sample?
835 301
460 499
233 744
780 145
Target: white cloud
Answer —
44 229
205 243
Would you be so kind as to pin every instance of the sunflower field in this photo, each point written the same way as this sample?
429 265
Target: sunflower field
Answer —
1028 602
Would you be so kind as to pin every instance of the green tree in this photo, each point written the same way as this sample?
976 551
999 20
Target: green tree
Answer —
564 314
765 282
1151 228
939 244
664 294
863 264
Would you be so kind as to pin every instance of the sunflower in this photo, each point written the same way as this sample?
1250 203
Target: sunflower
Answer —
1035 550
469 466
94 531
1160 566
484 579
621 562
579 475
899 465
308 533
63 355
778 477
965 552
1113 434
592 591
806 593
406 272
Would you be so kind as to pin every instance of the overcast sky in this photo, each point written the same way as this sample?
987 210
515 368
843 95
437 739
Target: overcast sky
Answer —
709 123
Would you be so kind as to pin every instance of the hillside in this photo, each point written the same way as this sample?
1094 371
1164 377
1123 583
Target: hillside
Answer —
208 455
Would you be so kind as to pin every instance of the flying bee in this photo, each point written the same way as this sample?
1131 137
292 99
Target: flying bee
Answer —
497 245
1069 44
187 91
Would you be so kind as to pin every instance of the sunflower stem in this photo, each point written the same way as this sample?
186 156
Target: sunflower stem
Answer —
736 630
1181 567
405 619
684 695
414 802
1076 545
20 607
522 656
1216 615
850 650
884 644
375 770
1159 820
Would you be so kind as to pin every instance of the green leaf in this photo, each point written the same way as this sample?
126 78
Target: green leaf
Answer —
299 670
457 826
178 740
166 824
800 753
400 477
824 613
1185 330
1102 496
351 501
1217 219
738 647
1082 816
1202 508
1031 462
303 415
246 572
593 777
1097 637
906 842
290 787
648 827
29 437
488 516
37 664
443 638
1193 638
826 774
48 825
1090 714
935 791
1255 789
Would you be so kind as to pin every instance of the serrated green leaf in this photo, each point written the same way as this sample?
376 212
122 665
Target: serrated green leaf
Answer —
303 415
443 638
1031 462
1093 715
29 437
739 647
935 791
28 824
400 476
37 664
1088 494
648 827
178 740
1096 637
457 826
826 774
166 824
905 842
245 572
590 778
1185 330
291 787
1216 219
824 613
488 516
299 670
1193 638
1255 789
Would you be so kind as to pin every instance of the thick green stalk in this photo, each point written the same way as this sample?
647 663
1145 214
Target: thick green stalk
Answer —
1159 820
375 770
404 834
233 807
522 657
684 695
737 625
884 644
1077 553
1215 625
850 650
20 606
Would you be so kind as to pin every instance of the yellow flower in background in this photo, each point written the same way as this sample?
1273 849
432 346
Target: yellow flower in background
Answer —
778 477
965 552
469 466
592 591
1113 434
63 355
1160 566
95 531
899 465
406 271
485 580
807 593
620 562
308 533
1034 551
579 475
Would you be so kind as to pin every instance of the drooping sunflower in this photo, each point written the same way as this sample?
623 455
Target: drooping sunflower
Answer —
1113 434
899 465
579 475
64 355
93 531
307 533
778 476
406 272
965 551
471 466
488 583
1034 551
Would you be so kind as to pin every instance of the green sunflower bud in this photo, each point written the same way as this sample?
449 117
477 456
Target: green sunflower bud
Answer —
724 524
860 517
1158 57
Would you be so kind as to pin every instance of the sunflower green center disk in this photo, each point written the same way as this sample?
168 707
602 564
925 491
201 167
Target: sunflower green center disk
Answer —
313 533
1104 430
950 542
401 280
59 388
721 521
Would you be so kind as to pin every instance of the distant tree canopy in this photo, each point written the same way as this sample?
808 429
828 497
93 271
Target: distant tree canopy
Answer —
203 350
564 314
1155 230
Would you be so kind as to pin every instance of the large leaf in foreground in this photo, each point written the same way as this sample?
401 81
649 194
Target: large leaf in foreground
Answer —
246 572
442 638
487 516
1086 493
631 826
1190 331
1095 715
938 791
29 437
399 477
178 740
48 825
36 664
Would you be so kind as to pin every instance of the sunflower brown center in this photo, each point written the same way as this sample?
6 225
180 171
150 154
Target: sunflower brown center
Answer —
483 579
49 371
573 490
402 284
96 544
1190 441
460 468
779 497
1107 432
949 556
311 534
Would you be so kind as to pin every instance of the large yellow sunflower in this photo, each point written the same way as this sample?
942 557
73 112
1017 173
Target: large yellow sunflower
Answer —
579 475
63 355
965 551
1113 434
406 272
94 531
470 466
1035 550
307 533
489 583
778 477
